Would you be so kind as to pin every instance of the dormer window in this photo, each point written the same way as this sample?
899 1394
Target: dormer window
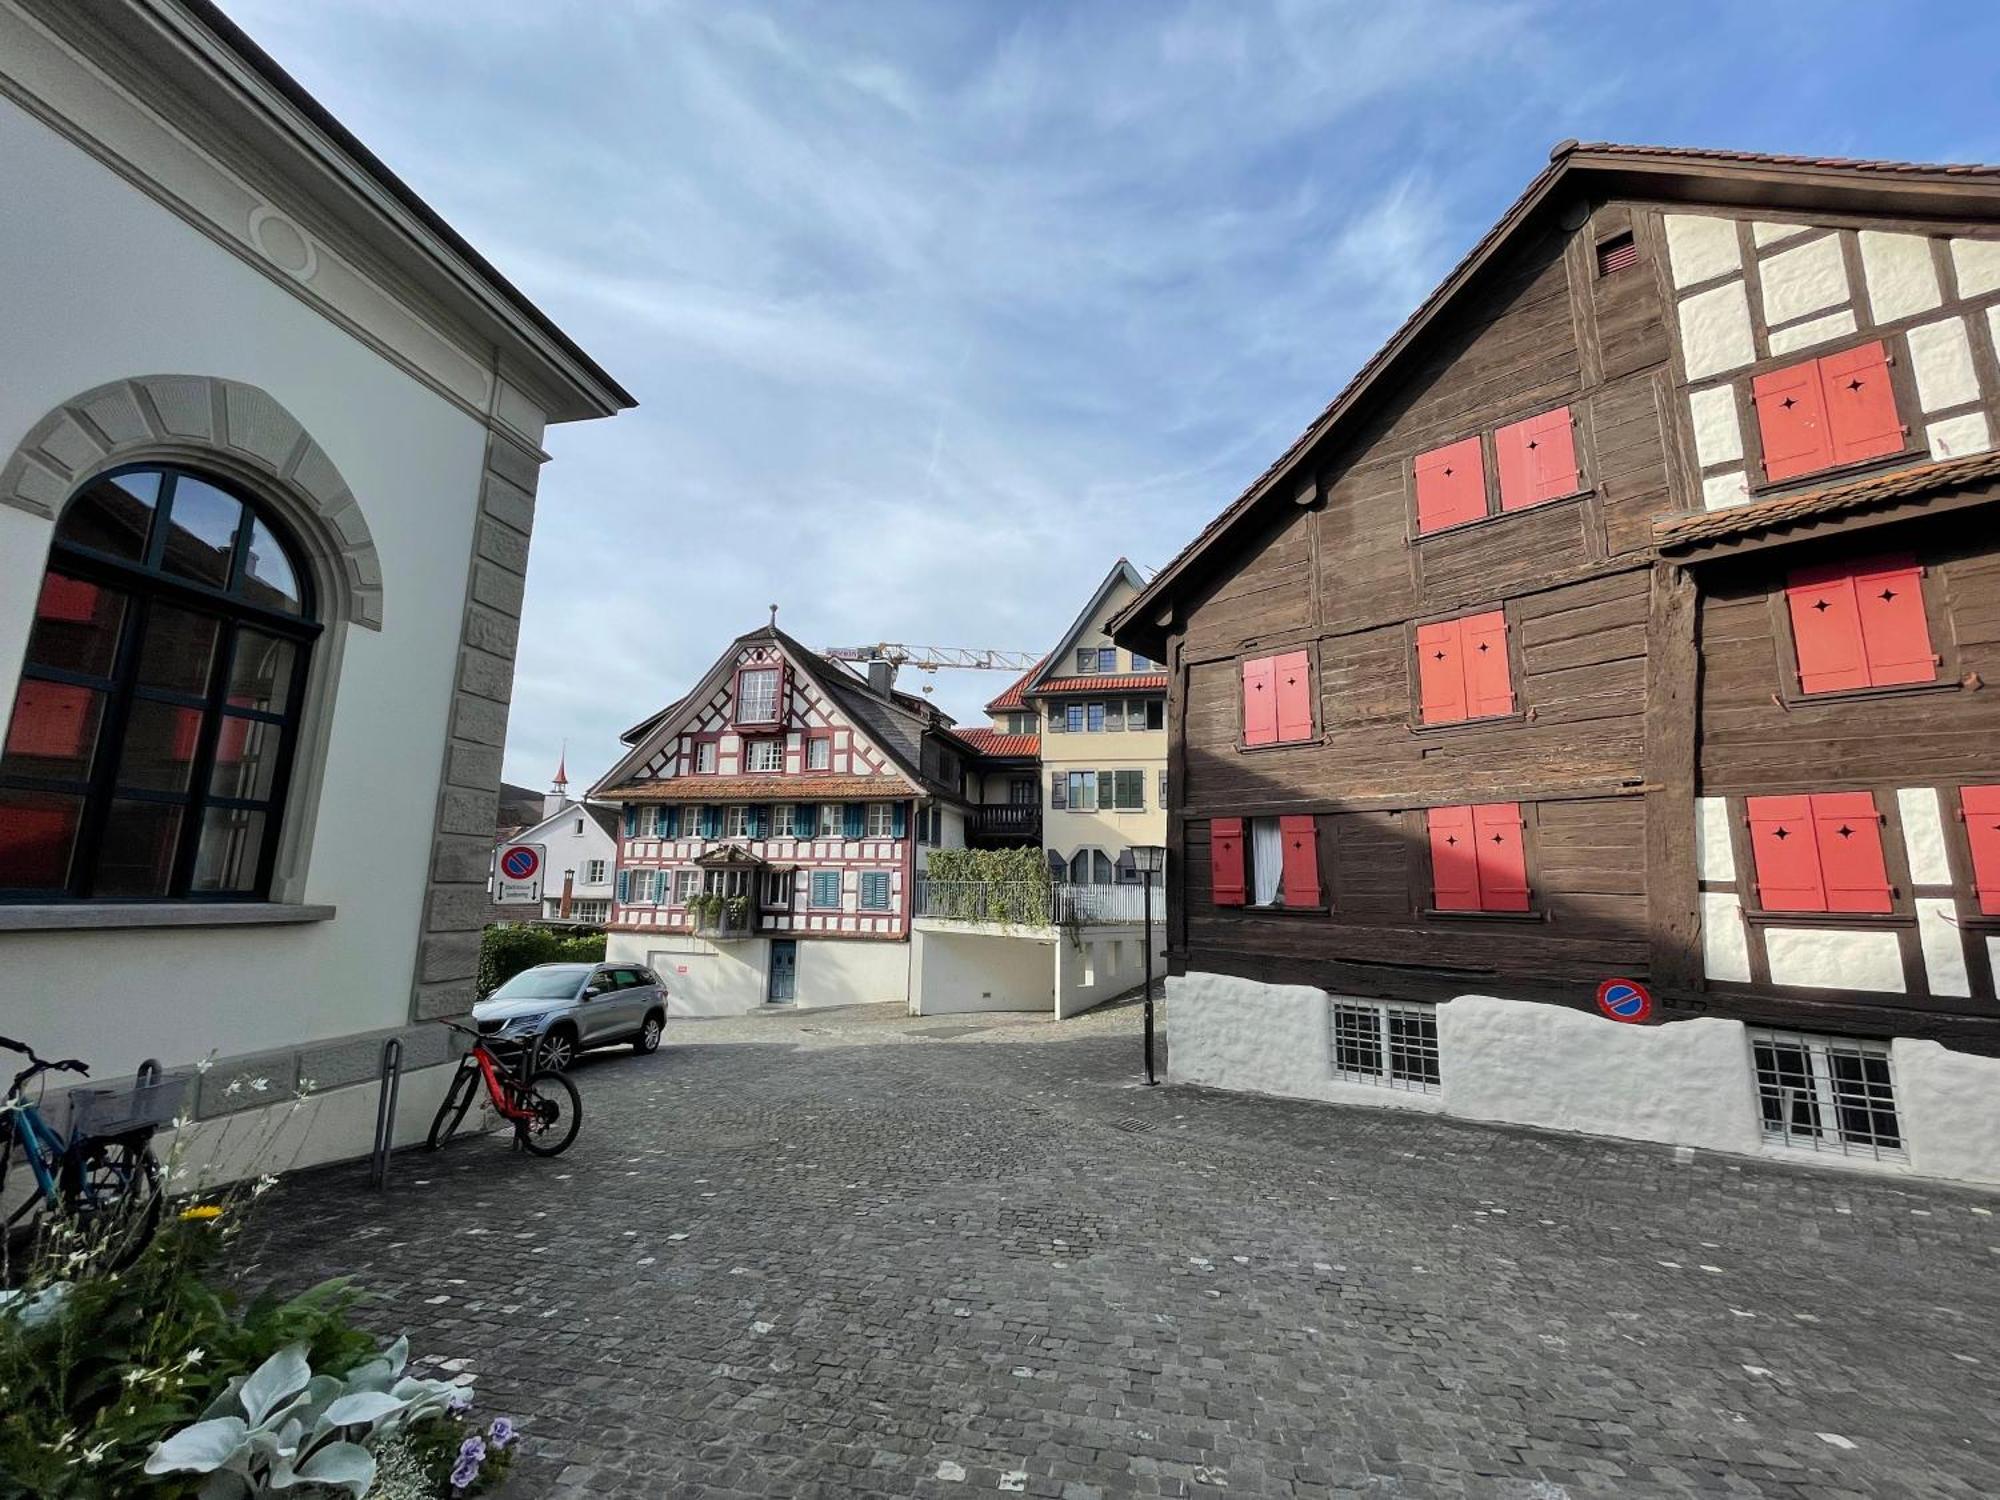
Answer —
757 695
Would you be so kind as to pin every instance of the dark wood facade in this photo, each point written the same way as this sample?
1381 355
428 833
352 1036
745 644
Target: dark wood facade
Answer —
1649 658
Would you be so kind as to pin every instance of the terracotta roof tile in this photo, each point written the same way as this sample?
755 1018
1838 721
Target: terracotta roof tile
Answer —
1000 745
761 789
1012 697
1772 159
1878 489
1134 682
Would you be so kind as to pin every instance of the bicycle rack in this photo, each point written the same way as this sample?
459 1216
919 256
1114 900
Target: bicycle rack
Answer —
385 1113
149 1074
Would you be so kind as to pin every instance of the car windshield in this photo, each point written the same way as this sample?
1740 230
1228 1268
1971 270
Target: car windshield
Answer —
554 982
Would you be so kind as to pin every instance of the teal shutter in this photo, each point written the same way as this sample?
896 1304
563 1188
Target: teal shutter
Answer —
856 820
805 820
672 818
631 820
760 821
624 884
899 823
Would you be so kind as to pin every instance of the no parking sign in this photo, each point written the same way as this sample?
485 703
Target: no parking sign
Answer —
1624 1000
520 874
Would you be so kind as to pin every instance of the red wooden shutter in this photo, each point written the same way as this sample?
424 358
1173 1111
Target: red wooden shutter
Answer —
1292 676
1441 672
1791 418
1260 701
1784 842
1454 859
1826 629
1300 835
1889 593
1537 459
1451 485
1850 852
1225 861
51 720
1860 404
1489 688
67 599
1503 861
1980 807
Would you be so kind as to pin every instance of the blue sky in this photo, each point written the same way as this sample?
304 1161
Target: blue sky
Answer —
935 309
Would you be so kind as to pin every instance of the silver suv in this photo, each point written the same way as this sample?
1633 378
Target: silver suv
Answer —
568 1007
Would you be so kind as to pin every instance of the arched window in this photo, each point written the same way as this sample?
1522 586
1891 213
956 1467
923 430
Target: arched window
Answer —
151 741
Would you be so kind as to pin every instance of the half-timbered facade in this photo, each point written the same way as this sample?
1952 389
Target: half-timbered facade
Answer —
773 822
1633 615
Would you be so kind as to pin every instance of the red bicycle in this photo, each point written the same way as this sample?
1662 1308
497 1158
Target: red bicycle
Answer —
544 1105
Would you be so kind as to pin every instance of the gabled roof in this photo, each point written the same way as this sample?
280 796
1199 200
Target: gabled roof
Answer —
1122 571
605 818
1786 511
997 744
1131 682
1011 699
1679 173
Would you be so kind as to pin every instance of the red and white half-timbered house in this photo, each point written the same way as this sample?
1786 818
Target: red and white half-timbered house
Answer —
772 824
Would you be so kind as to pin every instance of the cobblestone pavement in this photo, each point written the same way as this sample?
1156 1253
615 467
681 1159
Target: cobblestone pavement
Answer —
853 1254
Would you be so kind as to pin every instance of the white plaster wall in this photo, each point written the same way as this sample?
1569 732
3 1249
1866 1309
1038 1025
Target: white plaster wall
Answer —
1718 434
1701 247
1943 946
1977 266
956 972
1715 331
1725 947
1718 858
98 283
1960 436
1950 1108
702 978
1923 835
1826 958
1941 359
1813 331
1720 491
833 972
1112 964
1901 278
1804 279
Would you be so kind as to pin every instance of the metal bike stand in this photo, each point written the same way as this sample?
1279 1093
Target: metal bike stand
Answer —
385 1113
148 1075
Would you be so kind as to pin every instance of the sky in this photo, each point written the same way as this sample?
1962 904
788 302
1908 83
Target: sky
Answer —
933 310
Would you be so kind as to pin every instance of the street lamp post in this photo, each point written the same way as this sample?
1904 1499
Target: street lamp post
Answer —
1151 859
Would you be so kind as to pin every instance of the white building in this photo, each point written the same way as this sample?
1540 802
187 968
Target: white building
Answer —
578 846
269 441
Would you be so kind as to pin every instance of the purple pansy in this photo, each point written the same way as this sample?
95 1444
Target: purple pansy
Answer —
463 1476
501 1432
472 1450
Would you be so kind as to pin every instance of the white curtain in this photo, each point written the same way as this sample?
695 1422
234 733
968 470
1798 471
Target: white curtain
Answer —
1267 860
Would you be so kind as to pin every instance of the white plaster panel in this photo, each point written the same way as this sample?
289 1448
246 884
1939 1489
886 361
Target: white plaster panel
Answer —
1720 491
1718 434
1816 331
1767 232
1725 949
1949 1103
1941 357
1977 263
1701 248
1901 278
1826 958
1715 331
1943 946
1956 437
1923 835
1718 859
1688 1083
1804 279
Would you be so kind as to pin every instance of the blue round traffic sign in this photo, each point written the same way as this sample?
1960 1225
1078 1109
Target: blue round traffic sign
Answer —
520 863
1624 1000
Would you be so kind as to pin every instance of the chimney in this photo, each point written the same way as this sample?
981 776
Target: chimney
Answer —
881 678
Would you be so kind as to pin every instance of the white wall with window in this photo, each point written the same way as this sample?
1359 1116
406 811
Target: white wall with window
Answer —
578 846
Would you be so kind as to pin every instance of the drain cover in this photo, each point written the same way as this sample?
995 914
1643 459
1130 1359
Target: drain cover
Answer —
1132 1125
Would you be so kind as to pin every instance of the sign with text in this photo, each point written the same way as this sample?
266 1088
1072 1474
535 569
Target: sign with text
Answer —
518 875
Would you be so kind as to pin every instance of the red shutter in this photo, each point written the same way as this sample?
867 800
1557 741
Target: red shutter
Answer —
1784 842
1889 593
1980 807
1791 418
1503 862
1225 861
1850 852
1451 486
67 599
1826 630
1292 675
1441 672
1489 689
1300 835
1860 404
1537 459
51 720
1260 702
1454 860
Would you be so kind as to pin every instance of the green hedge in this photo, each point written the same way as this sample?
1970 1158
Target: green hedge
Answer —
990 885
506 951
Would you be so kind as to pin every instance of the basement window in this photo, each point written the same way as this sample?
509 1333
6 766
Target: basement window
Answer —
1818 1093
1390 1046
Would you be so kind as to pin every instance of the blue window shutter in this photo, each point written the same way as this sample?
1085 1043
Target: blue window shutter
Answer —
805 820
673 816
710 821
624 886
631 820
899 824
856 820
760 820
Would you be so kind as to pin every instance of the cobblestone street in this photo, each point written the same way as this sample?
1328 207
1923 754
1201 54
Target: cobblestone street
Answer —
854 1254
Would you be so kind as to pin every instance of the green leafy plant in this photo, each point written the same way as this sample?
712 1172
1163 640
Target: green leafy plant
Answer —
506 951
989 885
737 909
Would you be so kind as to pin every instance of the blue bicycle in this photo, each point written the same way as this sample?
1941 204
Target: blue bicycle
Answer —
102 1176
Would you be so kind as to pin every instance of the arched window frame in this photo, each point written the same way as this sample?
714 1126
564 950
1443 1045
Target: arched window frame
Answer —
147 584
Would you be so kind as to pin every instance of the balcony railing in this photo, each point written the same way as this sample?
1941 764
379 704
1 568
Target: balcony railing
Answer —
1029 905
1006 820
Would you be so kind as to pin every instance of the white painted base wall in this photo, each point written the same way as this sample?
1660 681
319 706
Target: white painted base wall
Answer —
733 978
955 972
1689 1083
1110 963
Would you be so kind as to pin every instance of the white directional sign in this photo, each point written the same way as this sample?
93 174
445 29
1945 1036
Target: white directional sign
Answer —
518 874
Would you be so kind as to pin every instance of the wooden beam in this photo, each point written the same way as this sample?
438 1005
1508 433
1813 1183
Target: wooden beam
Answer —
1673 916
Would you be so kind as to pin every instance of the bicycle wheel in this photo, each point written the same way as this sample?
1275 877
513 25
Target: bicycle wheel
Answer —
451 1113
558 1113
112 1189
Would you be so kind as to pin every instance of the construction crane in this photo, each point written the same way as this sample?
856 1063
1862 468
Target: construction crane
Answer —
932 658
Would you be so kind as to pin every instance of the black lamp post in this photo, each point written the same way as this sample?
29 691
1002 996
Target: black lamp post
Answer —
1151 860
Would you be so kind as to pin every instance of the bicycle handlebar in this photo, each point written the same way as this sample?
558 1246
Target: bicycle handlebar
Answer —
42 1064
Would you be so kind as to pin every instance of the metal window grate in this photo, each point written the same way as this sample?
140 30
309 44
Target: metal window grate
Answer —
1616 253
1391 1046
1827 1094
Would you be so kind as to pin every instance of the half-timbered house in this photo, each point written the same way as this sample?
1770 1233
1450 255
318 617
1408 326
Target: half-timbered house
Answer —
772 823
1631 619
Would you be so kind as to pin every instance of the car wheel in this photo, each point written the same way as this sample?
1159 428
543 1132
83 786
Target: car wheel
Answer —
558 1050
648 1039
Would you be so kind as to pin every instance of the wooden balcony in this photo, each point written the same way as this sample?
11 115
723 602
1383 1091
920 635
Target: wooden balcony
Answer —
1006 822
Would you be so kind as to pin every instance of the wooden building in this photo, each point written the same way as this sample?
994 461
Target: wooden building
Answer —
1634 614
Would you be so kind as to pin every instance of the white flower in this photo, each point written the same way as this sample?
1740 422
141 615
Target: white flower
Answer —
193 1357
260 1084
235 1086
181 1122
